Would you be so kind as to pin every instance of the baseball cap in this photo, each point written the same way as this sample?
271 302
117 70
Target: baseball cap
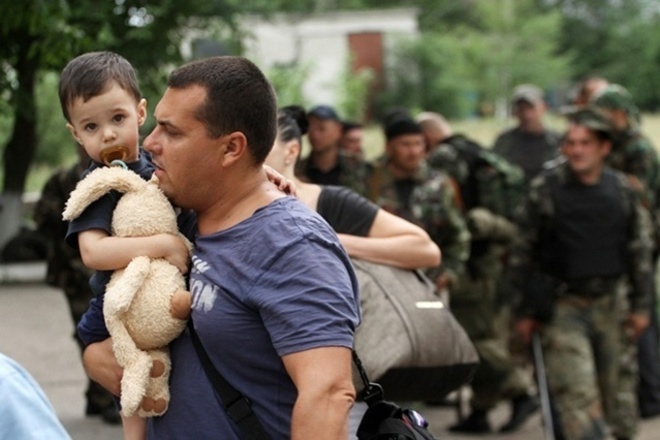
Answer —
528 93
324 112
592 118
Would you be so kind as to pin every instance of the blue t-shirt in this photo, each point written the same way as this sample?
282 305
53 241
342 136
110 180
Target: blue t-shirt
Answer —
275 284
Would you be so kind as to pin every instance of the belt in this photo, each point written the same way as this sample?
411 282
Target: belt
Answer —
595 287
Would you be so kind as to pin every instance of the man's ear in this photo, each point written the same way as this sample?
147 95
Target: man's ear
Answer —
235 147
142 112
73 132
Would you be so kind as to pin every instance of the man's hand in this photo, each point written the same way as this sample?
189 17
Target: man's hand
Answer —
525 328
636 324
101 366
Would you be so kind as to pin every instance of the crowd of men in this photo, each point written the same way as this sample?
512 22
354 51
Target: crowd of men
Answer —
542 233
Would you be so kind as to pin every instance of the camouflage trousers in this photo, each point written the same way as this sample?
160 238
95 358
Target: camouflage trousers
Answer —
498 376
585 347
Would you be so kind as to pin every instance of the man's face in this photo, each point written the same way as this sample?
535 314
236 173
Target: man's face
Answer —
406 152
351 141
584 150
323 133
186 158
528 114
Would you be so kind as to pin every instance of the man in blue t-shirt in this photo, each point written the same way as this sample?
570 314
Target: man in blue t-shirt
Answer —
274 295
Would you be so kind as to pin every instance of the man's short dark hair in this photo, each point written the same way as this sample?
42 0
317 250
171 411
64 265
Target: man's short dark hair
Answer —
239 98
90 74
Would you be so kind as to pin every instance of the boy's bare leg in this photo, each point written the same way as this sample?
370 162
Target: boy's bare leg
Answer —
134 427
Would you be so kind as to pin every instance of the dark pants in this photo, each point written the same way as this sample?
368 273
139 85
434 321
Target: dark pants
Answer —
648 357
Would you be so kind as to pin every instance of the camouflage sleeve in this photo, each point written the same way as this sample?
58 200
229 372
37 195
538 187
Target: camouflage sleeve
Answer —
523 258
48 209
640 257
452 236
644 165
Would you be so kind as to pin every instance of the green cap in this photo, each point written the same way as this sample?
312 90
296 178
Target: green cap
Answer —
616 97
592 118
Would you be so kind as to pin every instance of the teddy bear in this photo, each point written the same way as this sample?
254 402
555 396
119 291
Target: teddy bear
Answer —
146 304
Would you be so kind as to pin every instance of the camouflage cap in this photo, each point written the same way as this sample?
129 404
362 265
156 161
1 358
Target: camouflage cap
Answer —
616 97
528 93
592 118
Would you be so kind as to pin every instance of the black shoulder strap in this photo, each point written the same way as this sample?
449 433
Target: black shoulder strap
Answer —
237 405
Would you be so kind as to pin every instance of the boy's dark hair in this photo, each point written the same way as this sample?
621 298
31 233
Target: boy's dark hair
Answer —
239 98
90 74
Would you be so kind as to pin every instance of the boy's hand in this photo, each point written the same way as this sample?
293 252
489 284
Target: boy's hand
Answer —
177 251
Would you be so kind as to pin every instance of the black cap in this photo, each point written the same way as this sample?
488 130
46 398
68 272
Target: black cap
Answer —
400 127
324 112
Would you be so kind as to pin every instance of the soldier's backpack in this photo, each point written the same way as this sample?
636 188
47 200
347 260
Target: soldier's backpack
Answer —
409 341
490 181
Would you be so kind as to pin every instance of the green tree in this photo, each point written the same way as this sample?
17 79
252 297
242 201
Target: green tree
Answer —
619 40
456 66
40 36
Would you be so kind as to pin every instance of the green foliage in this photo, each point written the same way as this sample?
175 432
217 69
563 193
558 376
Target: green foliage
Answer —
354 88
456 69
55 143
288 81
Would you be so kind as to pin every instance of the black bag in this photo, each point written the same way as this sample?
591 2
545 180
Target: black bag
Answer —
409 342
385 420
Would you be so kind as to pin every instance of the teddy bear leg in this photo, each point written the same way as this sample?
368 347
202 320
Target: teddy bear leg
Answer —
181 304
157 395
134 382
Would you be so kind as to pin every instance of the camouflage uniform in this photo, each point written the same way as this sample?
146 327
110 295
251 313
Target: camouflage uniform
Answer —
351 171
65 268
584 338
432 206
633 154
491 188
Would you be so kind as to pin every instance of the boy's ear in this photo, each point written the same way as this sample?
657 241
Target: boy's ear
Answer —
73 132
142 112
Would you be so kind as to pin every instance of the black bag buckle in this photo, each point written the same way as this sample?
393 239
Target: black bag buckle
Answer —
239 409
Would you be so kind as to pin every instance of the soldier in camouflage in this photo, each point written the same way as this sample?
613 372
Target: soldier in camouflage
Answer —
583 235
633 154
327 163
490 189
404 185
67 271
530 144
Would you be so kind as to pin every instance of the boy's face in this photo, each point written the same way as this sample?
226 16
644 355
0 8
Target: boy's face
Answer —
110 119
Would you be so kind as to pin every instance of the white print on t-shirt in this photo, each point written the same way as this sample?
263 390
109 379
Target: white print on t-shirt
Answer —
203 294
199 264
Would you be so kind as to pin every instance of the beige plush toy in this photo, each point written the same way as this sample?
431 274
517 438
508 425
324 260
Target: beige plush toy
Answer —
145 304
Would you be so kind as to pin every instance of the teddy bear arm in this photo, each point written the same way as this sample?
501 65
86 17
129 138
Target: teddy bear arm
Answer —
119 296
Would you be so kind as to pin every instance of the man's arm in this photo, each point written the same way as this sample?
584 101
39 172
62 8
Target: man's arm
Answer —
326 394
102 367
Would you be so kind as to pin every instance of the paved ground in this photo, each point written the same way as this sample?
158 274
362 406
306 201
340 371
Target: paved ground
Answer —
35 329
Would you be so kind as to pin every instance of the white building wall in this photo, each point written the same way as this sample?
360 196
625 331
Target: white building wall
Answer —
320 41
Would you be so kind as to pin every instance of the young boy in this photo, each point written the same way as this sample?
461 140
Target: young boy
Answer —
104 110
